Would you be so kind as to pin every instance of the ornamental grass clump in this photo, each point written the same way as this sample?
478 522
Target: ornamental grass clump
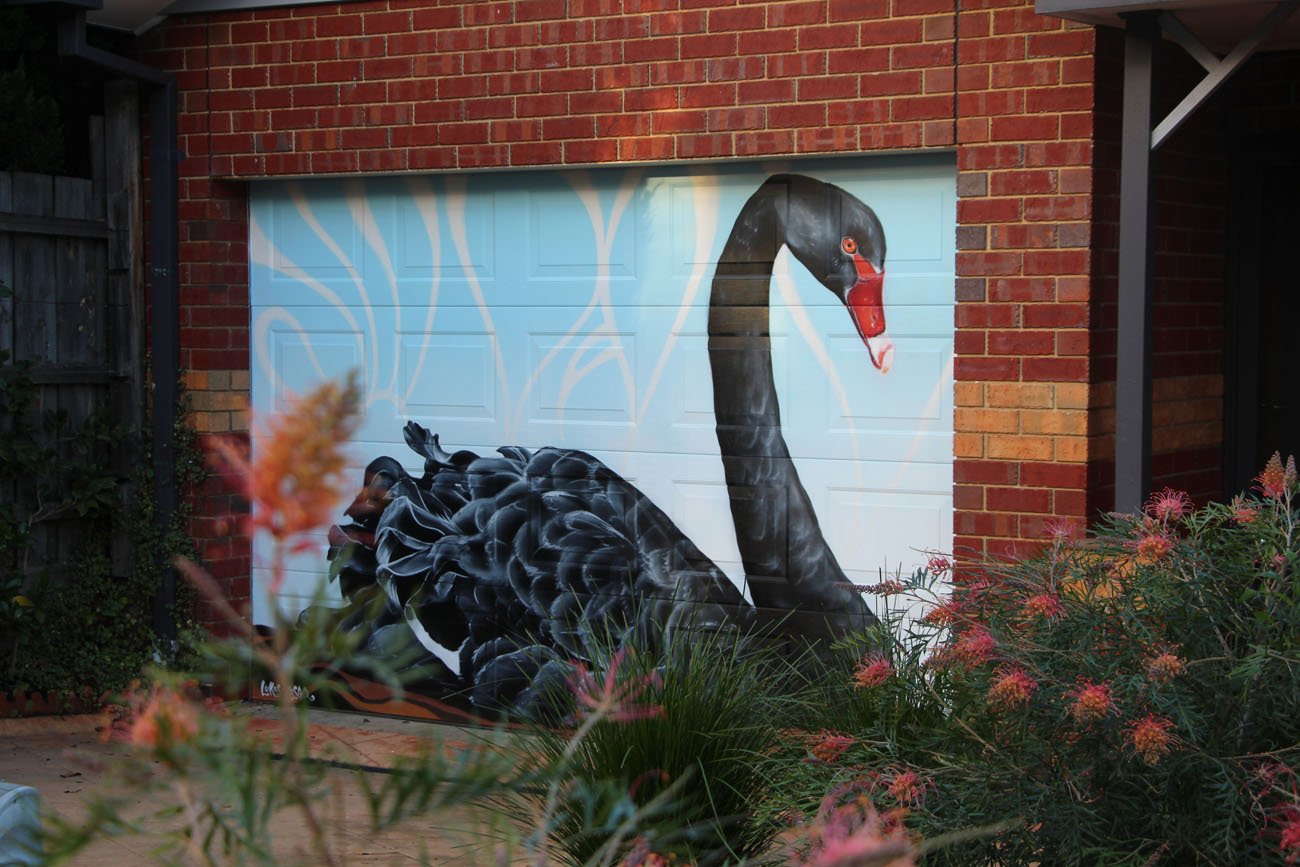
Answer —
671 764
1128 698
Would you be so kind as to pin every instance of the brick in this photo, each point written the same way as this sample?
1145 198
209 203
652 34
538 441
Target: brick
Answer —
1073 395
968 394
969 342
1018 500
1056 262
915 56
1021 448
1054 422
1076 449
984 368
986 263
828 87
1056 316
1021 342
988 210
765 142
1055 369
986 472
986 421
1019 128
966 445
1051 475
1019 236
536 153
968 497
788 15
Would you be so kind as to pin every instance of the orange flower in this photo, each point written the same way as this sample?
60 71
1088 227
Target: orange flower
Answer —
297 480
872 671
1165 666
1244 512
905 787
829 746
1153 546
1150 737
1012 687
165 720
1092 701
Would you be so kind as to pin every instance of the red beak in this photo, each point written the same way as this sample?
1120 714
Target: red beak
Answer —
865 300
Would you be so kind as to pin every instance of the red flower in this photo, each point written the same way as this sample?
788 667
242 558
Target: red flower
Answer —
1012 687
1150 737
1092 701
1169 505
872 671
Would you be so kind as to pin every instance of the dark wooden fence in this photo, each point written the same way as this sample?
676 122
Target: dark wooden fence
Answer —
70 259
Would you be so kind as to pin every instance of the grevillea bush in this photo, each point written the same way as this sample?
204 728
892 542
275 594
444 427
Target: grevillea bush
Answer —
1129 698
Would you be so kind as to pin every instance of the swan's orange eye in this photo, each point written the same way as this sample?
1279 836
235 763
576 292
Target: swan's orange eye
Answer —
849 246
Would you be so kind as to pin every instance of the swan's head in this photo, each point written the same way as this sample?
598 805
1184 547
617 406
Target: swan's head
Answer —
841 243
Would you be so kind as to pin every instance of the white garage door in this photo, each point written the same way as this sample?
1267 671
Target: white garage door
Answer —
570 308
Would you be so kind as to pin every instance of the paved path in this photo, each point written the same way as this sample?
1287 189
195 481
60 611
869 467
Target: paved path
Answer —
63 758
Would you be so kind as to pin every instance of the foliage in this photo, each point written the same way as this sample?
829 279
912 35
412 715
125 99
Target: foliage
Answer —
674 769
33 139
68 623
1128 699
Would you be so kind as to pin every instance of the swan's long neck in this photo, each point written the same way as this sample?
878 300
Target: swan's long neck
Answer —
788 564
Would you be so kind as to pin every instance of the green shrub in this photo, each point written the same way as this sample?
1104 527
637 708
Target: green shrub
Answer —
1128 699
673 765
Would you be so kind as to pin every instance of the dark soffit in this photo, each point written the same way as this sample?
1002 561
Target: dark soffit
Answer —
1220 24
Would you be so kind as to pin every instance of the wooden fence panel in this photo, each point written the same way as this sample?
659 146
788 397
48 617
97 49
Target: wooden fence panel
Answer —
69 257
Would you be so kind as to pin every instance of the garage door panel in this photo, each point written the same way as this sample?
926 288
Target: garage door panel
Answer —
571 309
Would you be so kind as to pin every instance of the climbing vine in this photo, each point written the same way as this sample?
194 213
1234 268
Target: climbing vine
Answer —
70 622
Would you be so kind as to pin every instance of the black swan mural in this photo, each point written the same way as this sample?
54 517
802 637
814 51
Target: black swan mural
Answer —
505 567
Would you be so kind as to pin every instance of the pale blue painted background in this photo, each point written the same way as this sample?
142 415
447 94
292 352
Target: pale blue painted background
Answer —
569 308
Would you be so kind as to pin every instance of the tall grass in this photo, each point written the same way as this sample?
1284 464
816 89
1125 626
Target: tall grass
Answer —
681 777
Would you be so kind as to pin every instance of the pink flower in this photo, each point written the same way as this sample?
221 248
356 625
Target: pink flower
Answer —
1092 702
609 699
1276 480
1169 505
872 671
854 834
1150 737
1045 606
1289 837
975 646
939 565
1012 687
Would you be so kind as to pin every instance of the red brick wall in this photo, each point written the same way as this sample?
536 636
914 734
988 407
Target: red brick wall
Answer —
415 85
